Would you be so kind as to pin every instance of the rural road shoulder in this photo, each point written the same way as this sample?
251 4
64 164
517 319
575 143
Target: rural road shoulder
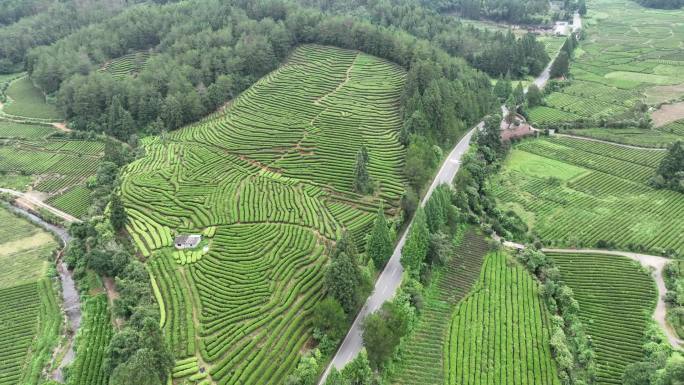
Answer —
387 284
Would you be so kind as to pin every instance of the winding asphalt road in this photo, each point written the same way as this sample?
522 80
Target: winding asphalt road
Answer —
387 284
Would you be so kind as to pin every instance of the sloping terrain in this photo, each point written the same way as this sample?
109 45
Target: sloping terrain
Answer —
269 185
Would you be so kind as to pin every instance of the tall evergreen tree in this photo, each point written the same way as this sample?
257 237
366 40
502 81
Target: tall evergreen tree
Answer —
518 94
534 96
416 246
343 281
362 180
379 247
117 215
561 65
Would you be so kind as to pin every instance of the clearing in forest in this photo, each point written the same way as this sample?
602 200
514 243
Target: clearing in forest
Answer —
629 52
607 204
27 101
29 312
268 183
499 334
616 300
127 65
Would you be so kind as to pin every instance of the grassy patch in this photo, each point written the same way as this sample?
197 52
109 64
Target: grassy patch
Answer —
605 204
541 167
28 101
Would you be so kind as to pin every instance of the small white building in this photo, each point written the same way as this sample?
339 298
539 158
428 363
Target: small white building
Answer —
187 241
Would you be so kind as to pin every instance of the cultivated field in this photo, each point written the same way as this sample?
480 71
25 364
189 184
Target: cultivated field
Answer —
616 299
422 359
499 333
57 167
574 192
12 130
29 314
127 65
269 184
629 52
94 335
659 138
25 100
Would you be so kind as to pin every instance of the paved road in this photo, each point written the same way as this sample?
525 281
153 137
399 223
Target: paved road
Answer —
390 278
31 201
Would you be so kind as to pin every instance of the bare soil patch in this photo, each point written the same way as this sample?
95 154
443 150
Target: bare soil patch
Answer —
668 113
662 94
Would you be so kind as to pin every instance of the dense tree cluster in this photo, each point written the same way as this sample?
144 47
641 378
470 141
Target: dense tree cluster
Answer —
55 20
13 10
514 11
207 52
670 173
561 65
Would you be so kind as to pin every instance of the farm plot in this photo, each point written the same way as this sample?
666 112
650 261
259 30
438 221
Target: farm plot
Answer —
94 335
630 52
127 65
57 167
632 136
12 130
27 101
499 333
421 361
616 299
269 184
29 313
606 202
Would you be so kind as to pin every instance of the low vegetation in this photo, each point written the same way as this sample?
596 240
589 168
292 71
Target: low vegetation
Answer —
574 192
616 298
29 311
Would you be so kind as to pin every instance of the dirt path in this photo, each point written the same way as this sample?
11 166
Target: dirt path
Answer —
654 263
60 126
31 202
112 295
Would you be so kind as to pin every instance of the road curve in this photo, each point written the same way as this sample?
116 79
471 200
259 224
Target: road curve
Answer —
35 202
390 278
387 284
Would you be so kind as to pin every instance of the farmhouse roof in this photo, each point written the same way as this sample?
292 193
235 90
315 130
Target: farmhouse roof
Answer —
187 240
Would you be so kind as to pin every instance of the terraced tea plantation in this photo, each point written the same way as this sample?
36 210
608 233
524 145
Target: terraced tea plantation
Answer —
616 299
127 65
29 312
422 362
499 333
574 192
56 167
269 185
656 138
95 333
631 53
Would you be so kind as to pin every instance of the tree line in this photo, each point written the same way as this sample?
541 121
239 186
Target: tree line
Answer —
664 4
35 23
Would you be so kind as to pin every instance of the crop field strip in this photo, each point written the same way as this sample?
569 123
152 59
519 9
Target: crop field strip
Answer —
609 201
629 51
269 184
30 317
499 333
12 130
58 167
91 345
616 299
127 65
421 362
656 138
